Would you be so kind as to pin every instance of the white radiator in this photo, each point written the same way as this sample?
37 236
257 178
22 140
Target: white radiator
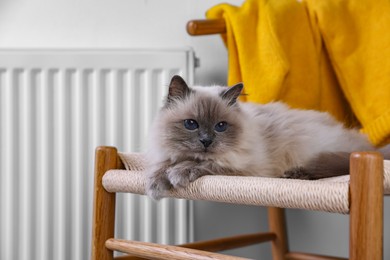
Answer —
56 107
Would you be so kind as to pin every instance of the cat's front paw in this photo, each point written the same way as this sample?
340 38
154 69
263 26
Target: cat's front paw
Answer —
181 175
157 185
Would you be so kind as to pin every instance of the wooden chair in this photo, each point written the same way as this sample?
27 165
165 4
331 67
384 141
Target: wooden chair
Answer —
361 197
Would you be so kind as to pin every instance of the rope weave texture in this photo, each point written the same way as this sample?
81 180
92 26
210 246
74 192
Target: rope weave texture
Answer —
329 195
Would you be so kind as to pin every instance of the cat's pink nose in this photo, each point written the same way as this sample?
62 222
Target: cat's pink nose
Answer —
206 142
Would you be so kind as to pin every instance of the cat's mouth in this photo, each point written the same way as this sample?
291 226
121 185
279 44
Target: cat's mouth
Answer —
206 150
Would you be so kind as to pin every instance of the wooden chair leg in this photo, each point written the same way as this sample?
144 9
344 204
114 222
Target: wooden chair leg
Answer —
366 210
104 204
277 225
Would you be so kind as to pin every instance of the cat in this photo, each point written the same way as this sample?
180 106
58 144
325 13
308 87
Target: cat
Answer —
207 130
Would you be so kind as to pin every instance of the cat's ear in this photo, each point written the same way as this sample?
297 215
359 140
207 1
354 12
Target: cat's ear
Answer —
232 93
178 89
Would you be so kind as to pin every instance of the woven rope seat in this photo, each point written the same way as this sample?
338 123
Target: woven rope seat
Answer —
330 195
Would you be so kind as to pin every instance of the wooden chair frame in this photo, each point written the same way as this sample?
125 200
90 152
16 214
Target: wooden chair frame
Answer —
366 220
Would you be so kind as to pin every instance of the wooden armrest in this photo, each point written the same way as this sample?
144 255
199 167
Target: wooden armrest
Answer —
205 27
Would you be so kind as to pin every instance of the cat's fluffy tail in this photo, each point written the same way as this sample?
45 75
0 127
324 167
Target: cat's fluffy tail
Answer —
327 165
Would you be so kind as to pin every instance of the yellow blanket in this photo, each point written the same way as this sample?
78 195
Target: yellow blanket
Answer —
329 55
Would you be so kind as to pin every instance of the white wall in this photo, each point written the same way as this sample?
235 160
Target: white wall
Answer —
160 24
112 24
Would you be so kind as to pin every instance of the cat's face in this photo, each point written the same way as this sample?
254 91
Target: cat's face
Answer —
200 123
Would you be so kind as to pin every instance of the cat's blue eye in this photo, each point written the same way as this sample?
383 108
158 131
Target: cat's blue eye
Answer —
190 124
221 126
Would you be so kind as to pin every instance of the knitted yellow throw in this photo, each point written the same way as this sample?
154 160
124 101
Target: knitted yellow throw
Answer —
329 55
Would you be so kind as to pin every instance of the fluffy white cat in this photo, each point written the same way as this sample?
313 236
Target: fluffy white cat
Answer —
207 130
